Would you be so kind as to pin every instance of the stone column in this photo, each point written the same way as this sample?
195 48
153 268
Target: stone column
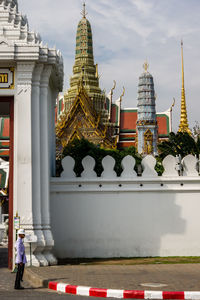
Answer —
23 154
36 171
45 163
52 135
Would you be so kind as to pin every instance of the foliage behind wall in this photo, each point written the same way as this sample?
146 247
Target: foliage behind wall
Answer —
78 149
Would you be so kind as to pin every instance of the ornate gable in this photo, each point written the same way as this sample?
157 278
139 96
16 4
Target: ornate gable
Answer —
82 121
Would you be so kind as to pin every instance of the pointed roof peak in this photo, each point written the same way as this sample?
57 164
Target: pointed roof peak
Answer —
146 66
181 42
84 12
183 126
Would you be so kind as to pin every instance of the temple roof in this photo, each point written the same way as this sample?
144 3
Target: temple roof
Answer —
84 45
84 70
12 19
82 120
15 36
129 119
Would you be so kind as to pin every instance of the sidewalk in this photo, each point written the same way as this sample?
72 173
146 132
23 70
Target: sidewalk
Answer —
159 277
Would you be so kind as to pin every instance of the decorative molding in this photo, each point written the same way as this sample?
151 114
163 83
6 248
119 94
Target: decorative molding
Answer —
117 185
24 73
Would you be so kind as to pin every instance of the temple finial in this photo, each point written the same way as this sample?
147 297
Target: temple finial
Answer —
84 13
183 127
114 86
181 43
122 95
146 66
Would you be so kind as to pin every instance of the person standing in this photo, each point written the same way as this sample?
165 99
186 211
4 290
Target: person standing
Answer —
20 259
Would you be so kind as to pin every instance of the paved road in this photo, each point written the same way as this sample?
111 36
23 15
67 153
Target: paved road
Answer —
7 292
180 277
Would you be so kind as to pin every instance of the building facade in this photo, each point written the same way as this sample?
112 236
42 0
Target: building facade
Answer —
31 76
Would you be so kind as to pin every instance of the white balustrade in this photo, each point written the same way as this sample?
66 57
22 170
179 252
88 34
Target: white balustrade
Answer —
128 164
88 164
68 164
148 164
108 164
169 164
189 165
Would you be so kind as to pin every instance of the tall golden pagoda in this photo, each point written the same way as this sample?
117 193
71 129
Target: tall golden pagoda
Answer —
183 127
85 70
84 113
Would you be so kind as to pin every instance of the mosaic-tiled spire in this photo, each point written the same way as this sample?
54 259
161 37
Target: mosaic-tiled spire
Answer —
183 127
146 122
84 69
146 97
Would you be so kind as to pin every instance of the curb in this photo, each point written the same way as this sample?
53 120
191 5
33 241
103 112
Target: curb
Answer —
120 294
34 279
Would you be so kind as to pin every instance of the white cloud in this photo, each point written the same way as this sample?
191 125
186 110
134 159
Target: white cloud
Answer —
125 33
145 7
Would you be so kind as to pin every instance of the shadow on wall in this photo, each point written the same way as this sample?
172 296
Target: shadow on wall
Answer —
118 225
160 225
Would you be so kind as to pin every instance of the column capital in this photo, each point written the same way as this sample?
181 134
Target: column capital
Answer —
37 73
46 73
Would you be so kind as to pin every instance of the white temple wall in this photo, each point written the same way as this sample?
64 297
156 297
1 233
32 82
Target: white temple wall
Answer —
125 216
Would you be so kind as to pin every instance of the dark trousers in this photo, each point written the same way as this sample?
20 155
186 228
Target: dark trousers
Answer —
22 272
19 275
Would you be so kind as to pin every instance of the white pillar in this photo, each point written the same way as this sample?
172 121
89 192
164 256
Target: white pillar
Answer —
23 160
45 163
52 133
36 176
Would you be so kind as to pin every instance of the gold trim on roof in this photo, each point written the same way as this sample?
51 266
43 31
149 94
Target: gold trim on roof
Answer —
82 120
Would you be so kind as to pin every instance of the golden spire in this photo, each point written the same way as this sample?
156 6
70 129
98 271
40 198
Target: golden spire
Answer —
183 127
146 66
84 13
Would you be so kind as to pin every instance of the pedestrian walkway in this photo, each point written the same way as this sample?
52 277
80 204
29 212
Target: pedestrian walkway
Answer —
7 291
159 277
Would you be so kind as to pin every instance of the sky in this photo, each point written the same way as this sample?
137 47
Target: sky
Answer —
126 33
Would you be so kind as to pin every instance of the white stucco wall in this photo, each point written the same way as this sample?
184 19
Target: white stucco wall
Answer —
126 217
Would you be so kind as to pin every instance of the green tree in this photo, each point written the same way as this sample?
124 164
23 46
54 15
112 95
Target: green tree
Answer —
180 143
